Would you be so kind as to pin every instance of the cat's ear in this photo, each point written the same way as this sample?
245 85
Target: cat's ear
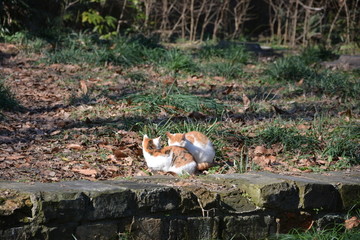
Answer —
183 137
168 134
146 136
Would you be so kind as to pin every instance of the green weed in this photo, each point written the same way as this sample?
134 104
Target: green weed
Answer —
289 69
336 233
290 138
174 103
177 60
311 55
7 98
331 83
228 70
235 53
344 142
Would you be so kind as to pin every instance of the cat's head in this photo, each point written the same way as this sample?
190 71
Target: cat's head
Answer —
151 143
176 139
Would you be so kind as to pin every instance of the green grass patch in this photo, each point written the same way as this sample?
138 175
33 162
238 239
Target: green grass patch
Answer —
344 143
290 138
317 54
289 69
336 233
175 102
234 53
227 70
7 98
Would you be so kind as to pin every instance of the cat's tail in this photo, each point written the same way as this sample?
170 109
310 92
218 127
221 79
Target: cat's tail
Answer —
203 166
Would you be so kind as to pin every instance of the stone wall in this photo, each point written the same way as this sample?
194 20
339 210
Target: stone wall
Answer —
236 206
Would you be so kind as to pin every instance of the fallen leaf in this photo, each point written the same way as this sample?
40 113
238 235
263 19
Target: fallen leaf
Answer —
15 157
246 101
279 110
141 173
119 153
303 127
219 78
260 150
351 223
83 87
228 90
299 83
86 172
74 146
197 115
55 132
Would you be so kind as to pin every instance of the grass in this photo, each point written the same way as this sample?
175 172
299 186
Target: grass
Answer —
336 233
290 138
344 143
127 89
7 98
227 70
174 102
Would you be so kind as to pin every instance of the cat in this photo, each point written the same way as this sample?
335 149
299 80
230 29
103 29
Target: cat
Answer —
197 144
169 159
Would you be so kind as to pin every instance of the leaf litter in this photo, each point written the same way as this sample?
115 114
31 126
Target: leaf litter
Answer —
69 130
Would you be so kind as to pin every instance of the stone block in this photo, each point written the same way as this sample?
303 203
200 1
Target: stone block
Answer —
264 191
318 196
111 204
203 228
350 195
160 199
97 231
147 229
236 202
247 227
15 208
60 232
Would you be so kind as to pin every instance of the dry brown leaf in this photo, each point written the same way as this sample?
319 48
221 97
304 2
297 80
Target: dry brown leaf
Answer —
246 101
119 153
128 161
83 87
351 223
260 150
279 110
15 157
303 127
74 146
299 83
86 172
228 90
197 115
55 132
261 161
141 173
112 168
219 78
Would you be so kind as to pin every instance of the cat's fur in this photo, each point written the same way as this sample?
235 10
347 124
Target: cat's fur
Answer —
197 144
169 159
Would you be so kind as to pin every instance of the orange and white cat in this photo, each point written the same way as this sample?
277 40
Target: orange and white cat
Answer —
169 159
197 144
